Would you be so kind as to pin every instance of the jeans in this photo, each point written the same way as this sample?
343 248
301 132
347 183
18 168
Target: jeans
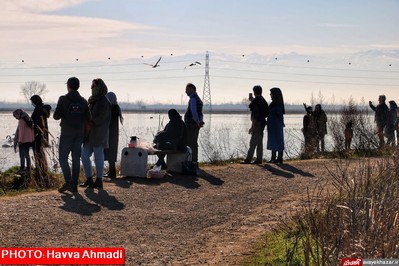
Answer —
87 151
70 144
24 155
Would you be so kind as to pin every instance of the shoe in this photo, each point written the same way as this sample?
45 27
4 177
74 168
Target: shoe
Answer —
88 183
272 161
74 186
245 162
20 171
256 162
97 184
65 187
110 175
279 161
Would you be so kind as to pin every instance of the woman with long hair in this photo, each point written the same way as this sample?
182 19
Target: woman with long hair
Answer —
96 139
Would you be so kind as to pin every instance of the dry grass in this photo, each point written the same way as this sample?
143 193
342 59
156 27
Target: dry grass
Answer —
360 220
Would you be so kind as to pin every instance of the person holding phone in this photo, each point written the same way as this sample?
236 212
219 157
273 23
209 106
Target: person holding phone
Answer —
259 112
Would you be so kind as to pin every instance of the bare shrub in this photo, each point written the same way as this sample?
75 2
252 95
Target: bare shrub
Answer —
364 141
360 220
292 137
217 146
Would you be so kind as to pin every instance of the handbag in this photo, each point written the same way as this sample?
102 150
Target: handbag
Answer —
188 166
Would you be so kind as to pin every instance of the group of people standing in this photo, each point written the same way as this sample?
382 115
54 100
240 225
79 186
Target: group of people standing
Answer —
89 127
92 127
314 129
386 119
263 115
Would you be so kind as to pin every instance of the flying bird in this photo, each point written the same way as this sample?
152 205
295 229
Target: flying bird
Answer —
193 64
155 65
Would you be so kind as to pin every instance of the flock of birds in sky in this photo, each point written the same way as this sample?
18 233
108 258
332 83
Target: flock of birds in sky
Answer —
189 65
157 64
152 65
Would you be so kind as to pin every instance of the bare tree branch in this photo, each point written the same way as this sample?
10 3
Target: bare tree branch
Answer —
31 88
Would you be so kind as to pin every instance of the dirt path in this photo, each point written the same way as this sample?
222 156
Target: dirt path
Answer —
213 219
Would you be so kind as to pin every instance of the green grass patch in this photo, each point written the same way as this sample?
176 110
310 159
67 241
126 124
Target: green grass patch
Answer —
278 248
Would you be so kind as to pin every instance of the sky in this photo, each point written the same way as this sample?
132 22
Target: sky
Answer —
328 50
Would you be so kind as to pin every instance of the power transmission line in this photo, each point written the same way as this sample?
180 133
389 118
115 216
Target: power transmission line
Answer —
206 97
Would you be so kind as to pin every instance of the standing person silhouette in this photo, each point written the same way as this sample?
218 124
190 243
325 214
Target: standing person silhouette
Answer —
348 135
320 126
72 109
308 130
193 119
39 117
24 137
380 117
111 153
98 135
390 127
259 112
275 126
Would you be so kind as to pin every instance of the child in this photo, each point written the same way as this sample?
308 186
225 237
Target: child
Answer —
24 137
348 135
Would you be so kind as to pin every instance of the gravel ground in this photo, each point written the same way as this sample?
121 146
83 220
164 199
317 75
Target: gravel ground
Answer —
212 219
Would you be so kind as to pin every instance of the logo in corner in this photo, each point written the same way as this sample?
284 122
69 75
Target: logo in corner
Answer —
351 261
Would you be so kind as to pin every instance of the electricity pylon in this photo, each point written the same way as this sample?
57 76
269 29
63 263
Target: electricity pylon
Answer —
206 97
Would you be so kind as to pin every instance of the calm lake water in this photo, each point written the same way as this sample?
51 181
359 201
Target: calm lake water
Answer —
223 136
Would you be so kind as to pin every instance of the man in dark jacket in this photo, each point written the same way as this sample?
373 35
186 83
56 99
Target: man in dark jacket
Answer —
39 117
259 112
380 117
73 110
193 119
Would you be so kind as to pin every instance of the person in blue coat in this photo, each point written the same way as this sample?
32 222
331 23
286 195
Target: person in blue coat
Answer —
275 126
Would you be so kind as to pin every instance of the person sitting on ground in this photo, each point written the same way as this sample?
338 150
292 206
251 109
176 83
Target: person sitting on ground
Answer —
348 133
172 137
24 138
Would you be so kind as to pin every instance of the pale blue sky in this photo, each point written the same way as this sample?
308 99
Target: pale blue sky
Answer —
331 33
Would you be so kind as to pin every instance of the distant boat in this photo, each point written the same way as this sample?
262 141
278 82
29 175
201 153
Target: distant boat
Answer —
9 142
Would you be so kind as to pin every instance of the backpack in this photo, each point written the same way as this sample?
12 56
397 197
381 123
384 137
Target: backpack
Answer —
75 114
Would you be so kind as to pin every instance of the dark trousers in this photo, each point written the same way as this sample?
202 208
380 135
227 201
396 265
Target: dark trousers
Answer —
24 155
40 160
256 142
192 140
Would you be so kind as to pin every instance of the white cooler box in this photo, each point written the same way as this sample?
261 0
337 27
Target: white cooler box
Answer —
134 162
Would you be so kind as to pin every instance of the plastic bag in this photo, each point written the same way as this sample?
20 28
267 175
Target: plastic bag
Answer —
156 172
188 167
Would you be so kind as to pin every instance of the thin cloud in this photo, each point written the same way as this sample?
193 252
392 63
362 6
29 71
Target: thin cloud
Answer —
32 6
28 31
337 25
